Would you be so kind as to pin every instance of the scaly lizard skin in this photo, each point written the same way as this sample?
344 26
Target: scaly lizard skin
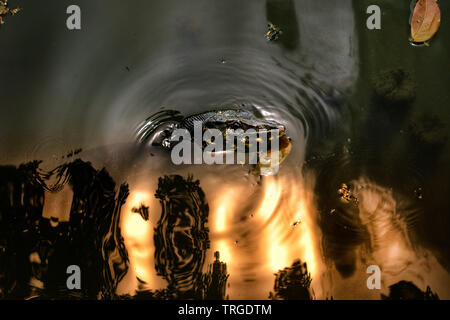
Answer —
157 129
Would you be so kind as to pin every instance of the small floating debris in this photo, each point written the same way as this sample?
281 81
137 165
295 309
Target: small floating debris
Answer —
54 222
332 211
143 211
296 223
418 193
273 33
5 10
73 153
425 21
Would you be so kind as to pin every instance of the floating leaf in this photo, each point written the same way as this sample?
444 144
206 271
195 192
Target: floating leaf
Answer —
425 21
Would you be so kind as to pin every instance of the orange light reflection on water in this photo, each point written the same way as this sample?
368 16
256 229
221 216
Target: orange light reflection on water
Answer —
280 230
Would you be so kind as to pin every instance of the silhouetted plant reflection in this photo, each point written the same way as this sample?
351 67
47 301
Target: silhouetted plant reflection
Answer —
292 283
181 236
216 279
35 251
181 240
405 290
212 286
21 203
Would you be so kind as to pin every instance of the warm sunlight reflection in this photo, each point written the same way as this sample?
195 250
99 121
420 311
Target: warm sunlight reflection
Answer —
138 236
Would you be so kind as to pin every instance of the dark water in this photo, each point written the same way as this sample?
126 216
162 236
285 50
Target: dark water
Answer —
145 228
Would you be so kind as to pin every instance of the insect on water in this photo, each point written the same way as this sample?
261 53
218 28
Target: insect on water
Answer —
5 10
273 32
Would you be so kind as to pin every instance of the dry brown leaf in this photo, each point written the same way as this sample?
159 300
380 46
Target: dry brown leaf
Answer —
425 21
